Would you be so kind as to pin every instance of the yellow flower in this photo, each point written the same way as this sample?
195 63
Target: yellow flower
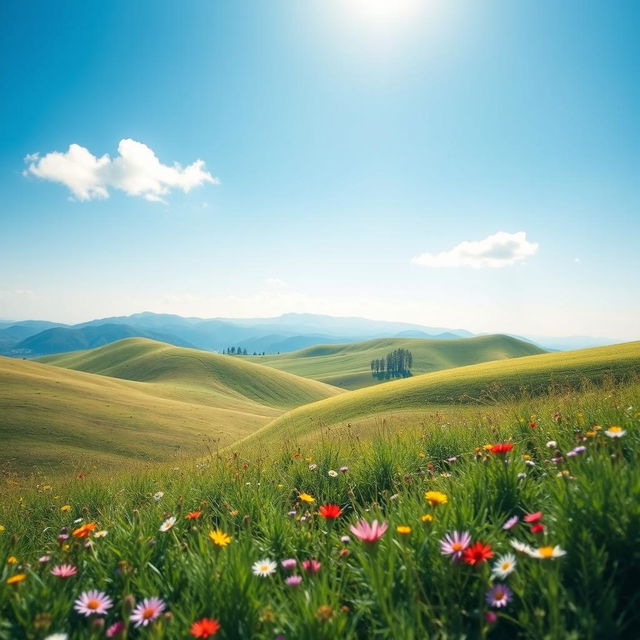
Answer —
596 427
422 455
2 528
12 560
47 487
487 447
66 547
305 497
65 507
219 538
526 456
280 485
403 529
590 434
19 577
427 517
234 512
435 498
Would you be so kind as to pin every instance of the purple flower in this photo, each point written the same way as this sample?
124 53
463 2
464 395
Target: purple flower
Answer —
499 595
115 629
510 523
147 611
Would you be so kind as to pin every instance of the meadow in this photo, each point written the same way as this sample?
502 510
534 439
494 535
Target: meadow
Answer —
512 519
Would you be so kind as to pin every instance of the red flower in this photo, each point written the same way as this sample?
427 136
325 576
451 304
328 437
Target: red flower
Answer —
330 511
537 528
194 515
205 628
533 517
503 447
477 553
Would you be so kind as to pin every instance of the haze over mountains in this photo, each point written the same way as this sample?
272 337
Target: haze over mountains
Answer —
282 334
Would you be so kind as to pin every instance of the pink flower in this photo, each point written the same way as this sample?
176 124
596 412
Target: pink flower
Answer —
311 566
454 544
293 581
93 602
64 571
510 523
115 629
369 532
147 611
289 564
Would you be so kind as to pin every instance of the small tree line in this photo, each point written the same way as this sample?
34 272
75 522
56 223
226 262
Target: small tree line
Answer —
396 364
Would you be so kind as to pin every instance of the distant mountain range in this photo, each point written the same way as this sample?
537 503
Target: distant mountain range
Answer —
285 333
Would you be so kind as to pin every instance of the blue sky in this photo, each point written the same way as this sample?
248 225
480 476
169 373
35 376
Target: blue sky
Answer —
347 138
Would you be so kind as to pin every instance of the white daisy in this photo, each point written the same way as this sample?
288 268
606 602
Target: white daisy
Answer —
615 432
522 547
264 568
504 565
168 523
158 496
57 636
545 553
332 473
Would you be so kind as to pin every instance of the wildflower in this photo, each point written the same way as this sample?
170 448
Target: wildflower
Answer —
538 527
57 636
311 566
291 513
193 515
345 539
490 617
204 628
552 444
219 538
522 476
288 564
2 528
615 432
344 469
293 581
18 577
65 507
332 473
101 534
168 524
499 595
454 544
305 497
522 547
44 559
533 517
115 629
158 496
545 553
426 517
510 523
324 613
477 553
452 459
369 532
147 611
579 449
501 448
530 463
64 571
263 568
12 560
93 602
435 498
403 529
313 466
84 530
330 511
504 565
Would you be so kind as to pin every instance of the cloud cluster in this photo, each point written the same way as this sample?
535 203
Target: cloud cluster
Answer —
498 250
136 170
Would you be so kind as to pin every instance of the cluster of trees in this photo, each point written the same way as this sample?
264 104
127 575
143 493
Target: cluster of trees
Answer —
239 351
396 364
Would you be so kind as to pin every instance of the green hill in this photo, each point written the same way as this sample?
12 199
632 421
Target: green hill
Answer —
151 402
463 385
348 365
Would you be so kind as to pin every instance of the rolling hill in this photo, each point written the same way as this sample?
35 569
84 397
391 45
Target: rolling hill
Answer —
348 365
463 385
136 400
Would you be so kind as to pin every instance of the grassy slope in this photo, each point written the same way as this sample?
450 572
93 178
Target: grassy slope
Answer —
474 383
58 418
348 365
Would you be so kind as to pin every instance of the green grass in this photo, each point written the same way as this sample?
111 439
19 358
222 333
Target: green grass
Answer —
474 384
164 402
401 588
348 365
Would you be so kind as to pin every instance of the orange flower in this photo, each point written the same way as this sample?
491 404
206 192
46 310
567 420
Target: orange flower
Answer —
205 628
193 515
84 530
18 577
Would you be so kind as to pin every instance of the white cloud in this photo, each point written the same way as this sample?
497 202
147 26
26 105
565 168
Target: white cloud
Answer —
498 250
136 170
